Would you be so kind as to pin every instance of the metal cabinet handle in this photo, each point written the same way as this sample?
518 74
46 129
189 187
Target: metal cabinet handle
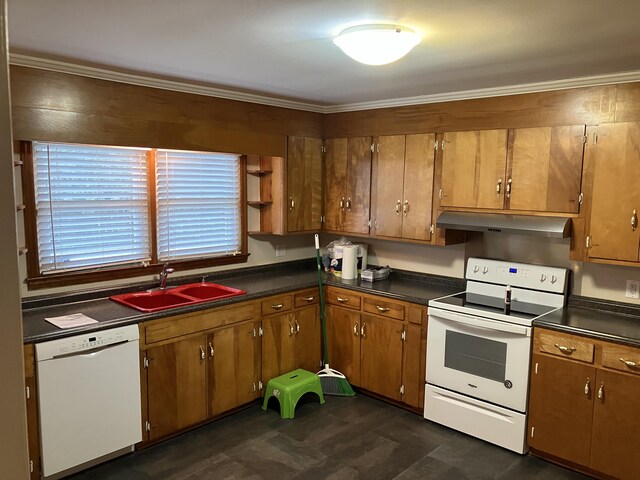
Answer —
210 350
405 207
348 204
355 329
629 363
398 204
382 309
342 300
601 392
292 203
308 299
342 202
362 331
509 188
202 355
277 306
634 220
587 387
563 349
291 329
499 186
297 328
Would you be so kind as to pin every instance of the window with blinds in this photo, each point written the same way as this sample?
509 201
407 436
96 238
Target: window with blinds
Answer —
91 204
198 201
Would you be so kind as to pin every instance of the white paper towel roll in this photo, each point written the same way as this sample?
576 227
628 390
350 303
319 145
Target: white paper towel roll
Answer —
349 262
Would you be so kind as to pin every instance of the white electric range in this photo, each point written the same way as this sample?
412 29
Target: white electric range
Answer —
479 348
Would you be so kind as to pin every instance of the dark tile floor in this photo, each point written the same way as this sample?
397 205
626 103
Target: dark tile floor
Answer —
345 438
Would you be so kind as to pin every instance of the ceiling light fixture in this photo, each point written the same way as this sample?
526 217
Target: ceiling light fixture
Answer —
377 44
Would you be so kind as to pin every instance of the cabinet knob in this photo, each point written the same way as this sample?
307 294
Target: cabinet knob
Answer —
499 186
308 299
382 309
634 220
363 333
587 387
297 328
342 202
291 329
355 329
342 299
405 207
398 204
563 349
629 363
292 203
601 391
202 355
277 306
210 350
348 204
508 188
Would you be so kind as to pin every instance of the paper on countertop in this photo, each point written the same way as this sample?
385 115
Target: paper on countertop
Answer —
73 320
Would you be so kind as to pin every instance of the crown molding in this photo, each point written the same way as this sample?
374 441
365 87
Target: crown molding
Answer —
186 87
147 81
590 81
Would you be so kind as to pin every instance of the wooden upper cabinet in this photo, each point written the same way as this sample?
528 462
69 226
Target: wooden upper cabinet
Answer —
304 184
473 169
545 168
615 203
403 186
347 184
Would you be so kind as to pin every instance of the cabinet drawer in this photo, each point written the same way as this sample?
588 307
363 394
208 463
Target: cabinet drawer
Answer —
343 298
563 345
621 357
307 297
278 304
383 307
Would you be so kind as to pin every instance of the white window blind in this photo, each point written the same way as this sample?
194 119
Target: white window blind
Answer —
91 206
198 204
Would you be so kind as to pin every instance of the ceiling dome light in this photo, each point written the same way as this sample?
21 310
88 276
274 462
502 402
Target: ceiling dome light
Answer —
377 44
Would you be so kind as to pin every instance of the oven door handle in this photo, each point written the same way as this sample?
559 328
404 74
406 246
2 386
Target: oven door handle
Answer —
482 323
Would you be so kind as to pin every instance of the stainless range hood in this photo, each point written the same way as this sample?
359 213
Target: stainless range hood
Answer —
550 227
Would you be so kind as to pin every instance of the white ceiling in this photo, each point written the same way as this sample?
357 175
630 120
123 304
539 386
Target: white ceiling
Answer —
283 48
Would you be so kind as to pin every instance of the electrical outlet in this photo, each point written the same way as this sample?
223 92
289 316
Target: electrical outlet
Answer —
281 251
632 289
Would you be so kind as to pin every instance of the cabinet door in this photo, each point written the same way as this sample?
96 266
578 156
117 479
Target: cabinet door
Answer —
33 430
335 178
304 184
546 168
473 166
357 186
616 195
234 366
616 425
308 339
176 384
278 345
561 407
381 356
418 186
413 360
389 183
343 342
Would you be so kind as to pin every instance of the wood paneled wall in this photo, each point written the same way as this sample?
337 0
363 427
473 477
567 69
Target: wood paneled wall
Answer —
51 106
590 106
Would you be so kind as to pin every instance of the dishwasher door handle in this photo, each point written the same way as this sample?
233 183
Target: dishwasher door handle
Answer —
87 353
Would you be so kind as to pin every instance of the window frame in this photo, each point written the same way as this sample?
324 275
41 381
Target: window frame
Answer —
36 280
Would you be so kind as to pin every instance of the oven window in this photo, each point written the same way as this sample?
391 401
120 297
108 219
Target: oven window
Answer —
475 355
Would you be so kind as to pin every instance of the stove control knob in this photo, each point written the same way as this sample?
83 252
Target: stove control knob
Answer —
485 269
476 268
543 277
554 279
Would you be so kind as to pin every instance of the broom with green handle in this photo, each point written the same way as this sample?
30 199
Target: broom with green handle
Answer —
333 382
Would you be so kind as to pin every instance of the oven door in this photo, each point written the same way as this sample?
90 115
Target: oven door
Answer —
479 357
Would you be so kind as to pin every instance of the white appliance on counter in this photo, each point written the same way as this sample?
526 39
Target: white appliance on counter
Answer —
88 397
479 348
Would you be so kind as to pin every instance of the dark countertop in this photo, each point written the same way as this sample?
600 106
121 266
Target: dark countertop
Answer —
257 282
602 320
605 320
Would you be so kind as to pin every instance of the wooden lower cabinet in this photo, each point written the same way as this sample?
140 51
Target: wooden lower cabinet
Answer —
384 353
33 427
176 385
233 367
585 412
616 425
291 340
381 356
561 403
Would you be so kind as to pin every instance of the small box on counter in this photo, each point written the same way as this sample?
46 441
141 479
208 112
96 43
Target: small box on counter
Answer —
372 274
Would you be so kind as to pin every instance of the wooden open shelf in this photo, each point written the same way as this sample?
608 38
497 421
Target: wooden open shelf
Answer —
271 173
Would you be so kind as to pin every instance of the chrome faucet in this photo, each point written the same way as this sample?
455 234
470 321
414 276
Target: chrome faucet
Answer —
166 270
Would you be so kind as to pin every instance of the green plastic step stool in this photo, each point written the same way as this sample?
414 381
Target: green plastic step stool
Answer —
290 387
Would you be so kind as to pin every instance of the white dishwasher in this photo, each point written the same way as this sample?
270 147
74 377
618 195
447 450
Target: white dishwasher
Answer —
88 397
